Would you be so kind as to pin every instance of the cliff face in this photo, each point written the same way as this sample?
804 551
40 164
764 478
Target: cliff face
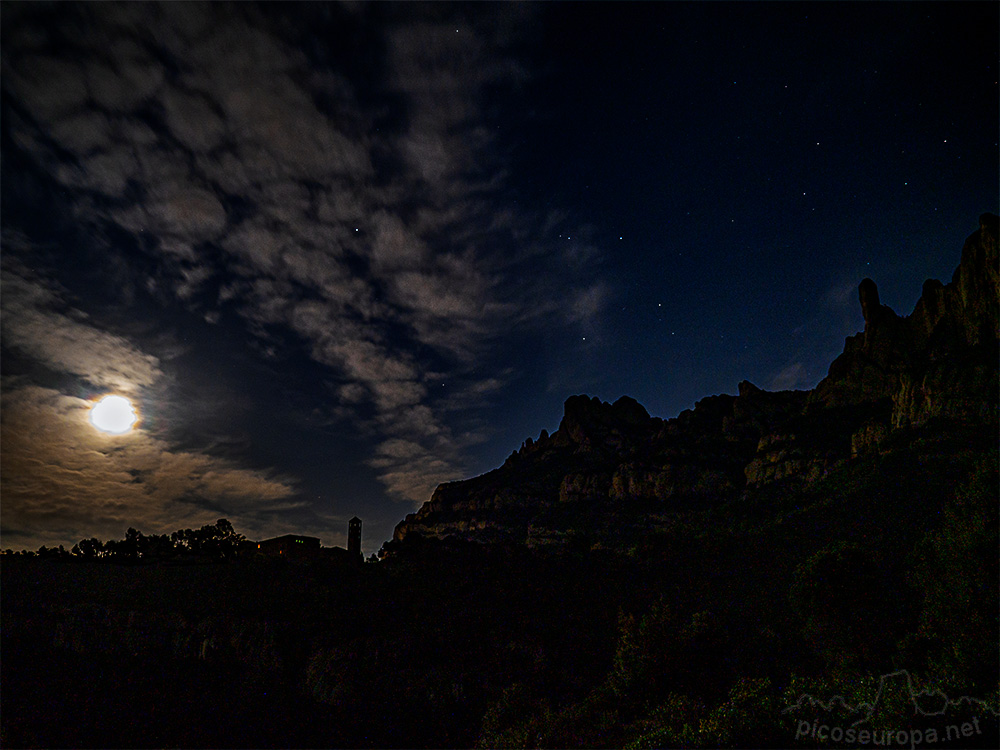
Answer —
612 467
941 360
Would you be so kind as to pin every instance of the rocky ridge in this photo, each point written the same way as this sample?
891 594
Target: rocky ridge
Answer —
612 468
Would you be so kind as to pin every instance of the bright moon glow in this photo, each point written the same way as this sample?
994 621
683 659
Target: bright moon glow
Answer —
113 414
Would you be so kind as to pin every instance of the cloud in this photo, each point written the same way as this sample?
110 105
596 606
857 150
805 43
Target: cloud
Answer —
820 339
793 376
842 296
51 88
588 302
64 480
39 323
368 221
193 120
187 211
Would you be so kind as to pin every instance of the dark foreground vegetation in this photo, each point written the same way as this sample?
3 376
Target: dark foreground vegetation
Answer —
737 627
213 542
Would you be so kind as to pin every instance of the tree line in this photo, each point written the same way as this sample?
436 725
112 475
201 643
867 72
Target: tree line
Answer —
218 541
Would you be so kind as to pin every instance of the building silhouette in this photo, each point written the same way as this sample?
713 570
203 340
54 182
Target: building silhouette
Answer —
354 539
290 545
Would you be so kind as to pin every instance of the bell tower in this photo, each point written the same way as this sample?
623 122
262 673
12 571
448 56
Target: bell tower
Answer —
354 539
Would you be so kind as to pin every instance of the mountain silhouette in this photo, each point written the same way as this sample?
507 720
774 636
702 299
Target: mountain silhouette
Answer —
611 471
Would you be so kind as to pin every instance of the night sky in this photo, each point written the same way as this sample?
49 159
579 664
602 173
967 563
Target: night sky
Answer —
338 254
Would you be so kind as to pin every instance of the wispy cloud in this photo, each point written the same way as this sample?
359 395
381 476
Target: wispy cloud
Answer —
39 323
792 377
820 339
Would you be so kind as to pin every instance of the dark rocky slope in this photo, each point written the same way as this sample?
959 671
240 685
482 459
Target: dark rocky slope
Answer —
611 473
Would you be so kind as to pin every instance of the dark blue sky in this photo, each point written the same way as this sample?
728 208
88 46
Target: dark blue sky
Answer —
339 254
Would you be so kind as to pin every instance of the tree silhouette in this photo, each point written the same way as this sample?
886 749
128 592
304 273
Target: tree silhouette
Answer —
218 541
89 549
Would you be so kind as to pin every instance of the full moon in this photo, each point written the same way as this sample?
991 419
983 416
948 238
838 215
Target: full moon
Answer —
114 415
